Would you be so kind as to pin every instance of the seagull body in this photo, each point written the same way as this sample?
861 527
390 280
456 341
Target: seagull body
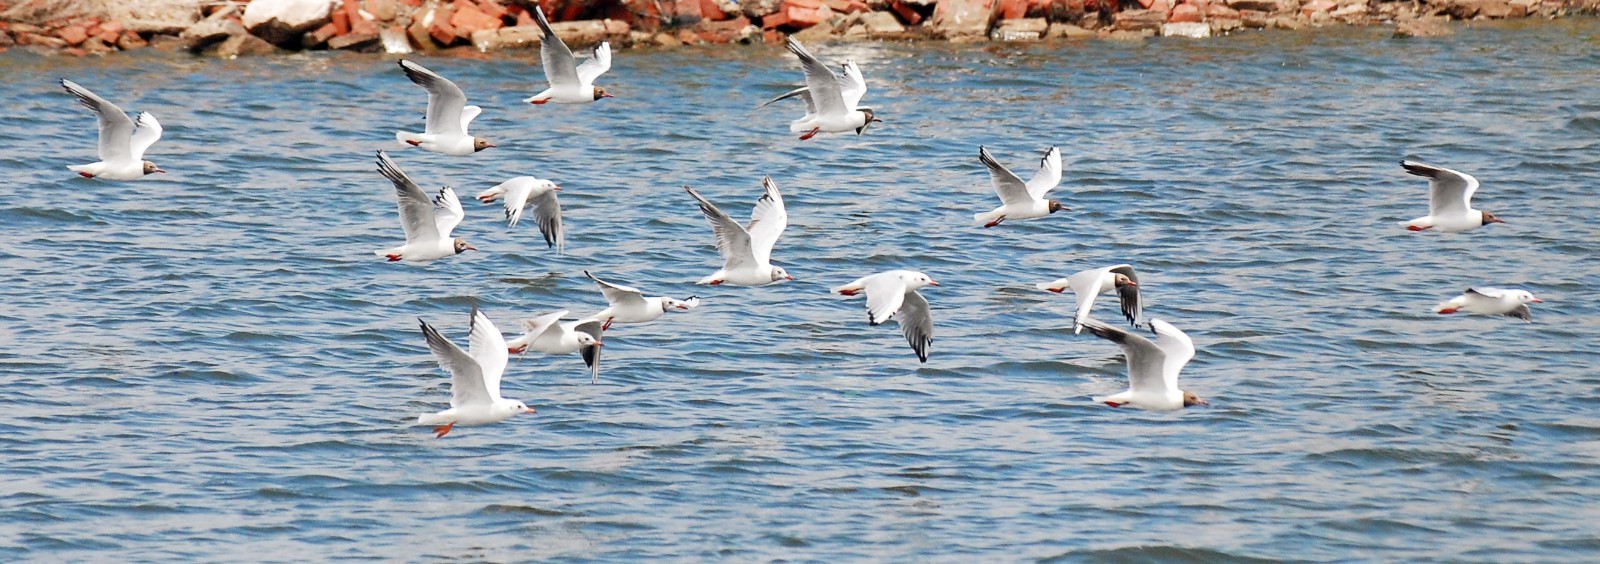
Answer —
474 378
629 305
831 101
549 335
122 141
747 250
893 294
448 116
1153 367
427 223
521 191
1019 200
1449 201
1089 284
1492 301
570 82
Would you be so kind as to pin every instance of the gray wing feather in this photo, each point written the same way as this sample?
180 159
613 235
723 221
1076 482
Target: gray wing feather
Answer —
466 377
416 209
445 100
559 64
916 322
1145 360
116 129
821 82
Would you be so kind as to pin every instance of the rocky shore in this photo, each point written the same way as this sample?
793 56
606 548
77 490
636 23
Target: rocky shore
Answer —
258 27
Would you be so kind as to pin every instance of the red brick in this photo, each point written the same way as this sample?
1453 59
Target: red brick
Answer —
469 19
906 12
412 3
1185 13
131 40
494 9
340 23
441 30
320 36
1013 9
73 34
727 31
798 14
710 10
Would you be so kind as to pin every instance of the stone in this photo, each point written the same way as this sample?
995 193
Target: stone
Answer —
243 44
108 32
1014 9
468 20
211 30
493 8
96 46
1522 8
359 23
577 35
1185 13
1063 30
318 37
6 40
355 41
963 19
757 9
1022 29
166 18
73 34
711 10
813 34
441 30
1220 11
1309 9
42 40
1423 27
1223 25
797 14
1494 8
284 22
847 6
131 40
1195 30
1267 6
666 40
1129 35
1287 22
383 10
1139 20
1254 19
727 31
418 31
878 24
393 39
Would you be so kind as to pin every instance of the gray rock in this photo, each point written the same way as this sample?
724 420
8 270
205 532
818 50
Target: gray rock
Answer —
284 22
243 44
1023 29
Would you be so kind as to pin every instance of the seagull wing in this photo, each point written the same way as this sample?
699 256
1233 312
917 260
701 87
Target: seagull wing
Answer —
1049 174
1178 347
1146 361
1449 192
1086 287
488 348
885 293
1132 305
1010 188
445 100
539 327
447 211
116 130
854 86
466 377
416 210
547 213
560 68
591 353
617 296
733 241
767 221
598 64
823 85
916 322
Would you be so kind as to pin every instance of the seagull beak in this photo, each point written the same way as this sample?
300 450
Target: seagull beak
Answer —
1204 403
932 283
683 306
788 278
1538 301
488 145
163 171
1495 220
1131 283
530 410
558 188
471 248
607 95
599 344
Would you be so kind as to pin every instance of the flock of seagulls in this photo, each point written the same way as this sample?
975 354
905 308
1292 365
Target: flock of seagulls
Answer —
832 105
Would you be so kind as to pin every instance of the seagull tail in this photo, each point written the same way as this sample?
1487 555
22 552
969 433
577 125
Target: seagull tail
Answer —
432 419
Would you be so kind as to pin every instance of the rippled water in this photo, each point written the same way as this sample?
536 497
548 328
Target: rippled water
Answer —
211 364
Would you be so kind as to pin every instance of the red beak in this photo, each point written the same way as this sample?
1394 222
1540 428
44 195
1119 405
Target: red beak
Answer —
163 171
1538 301
471 248
607 95
788 278
558 188
932 283
530 410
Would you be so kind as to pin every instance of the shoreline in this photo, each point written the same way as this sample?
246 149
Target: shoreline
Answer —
470 27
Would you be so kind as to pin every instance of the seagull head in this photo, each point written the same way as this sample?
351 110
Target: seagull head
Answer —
516 407
868 119
479 144
463 246
601 93
1056 206
1489 218
1526 297
778 273
1119 280
587 340
1189 399
151 168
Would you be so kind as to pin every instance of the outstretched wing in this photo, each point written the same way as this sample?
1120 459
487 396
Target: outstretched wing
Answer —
1146 361
916 322
560 68
466 377
885 294
547 213
1049 174
616 295
488 348
1449 192
767 221
823 85
1128 295
591 353
854 85
445 100
116 130
1007 185
733 241
598 64
416 210
448 213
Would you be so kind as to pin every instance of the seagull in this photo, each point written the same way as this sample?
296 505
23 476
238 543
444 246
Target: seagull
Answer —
549 335
427 223
894 294
1019 200
448 116
122 143
1449 201
570 82
474 378
1089 284
1492 301
747 251
523 190
1152 367
628 305
831 102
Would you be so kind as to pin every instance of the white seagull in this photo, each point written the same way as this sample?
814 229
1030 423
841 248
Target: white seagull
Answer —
1089 284
524 190
1492 301
549 335
474 378
894 294
445 125
831 101
427 223
122 143
570 82
628 305
747 251
1152 367
1449 201
1019 200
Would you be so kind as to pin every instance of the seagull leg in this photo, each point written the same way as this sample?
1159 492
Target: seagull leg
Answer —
995 222
715 282
86 175
607 326
393 258
539 102
440 432
810 134
414 143
1416 228
1113 404
1448 310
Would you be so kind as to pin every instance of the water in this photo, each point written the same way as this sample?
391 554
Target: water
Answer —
212 365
